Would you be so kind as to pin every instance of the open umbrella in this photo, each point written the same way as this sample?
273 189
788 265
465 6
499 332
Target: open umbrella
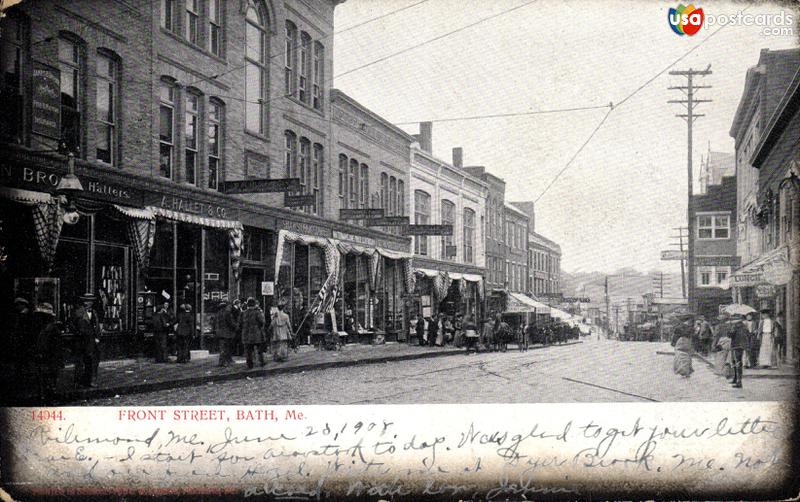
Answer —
738 308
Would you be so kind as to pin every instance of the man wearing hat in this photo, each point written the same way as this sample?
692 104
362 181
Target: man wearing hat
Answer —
253 323
226 330
184 332
19 332
162 325
86 326
738 336
49 353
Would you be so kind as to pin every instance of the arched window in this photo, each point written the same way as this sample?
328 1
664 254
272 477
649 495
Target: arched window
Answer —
353 184
290 43
392 195
71 60
216 112
342 175
448 218
255 66
401 198
422 216
305 164
13 64
305 66
191 123
106 102
469 235
384 192
317 164
364 185
166 130
319 69
290 154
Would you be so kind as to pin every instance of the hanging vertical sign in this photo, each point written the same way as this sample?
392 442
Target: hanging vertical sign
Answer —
46 101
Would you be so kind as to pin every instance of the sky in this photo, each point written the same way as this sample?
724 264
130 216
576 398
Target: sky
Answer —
618 201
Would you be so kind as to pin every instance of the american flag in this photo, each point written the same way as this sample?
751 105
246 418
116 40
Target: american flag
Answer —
326 296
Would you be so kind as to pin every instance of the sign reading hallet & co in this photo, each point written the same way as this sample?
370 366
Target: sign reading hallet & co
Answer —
46 101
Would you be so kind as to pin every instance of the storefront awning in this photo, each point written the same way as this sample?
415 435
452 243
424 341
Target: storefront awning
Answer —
139 213
350 248
559 314
195 219
473 278
770 268
25 196
394 255
519 303
426 272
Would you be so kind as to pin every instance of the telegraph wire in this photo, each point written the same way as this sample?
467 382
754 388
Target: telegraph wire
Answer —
503 115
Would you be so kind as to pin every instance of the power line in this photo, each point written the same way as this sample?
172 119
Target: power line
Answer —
434 39
503 115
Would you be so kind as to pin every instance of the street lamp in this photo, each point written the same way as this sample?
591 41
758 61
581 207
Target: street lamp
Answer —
68 186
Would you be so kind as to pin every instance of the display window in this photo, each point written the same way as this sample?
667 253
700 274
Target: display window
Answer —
215 276
19 252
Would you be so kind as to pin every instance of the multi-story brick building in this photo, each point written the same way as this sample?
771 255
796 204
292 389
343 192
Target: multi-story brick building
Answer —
544 259
450 268
164 104
516 242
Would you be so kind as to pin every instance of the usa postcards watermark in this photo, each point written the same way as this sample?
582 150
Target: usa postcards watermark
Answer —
690 19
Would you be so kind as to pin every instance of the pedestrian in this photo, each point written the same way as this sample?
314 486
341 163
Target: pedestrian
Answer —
682 341
470 334
18 334
226 328
253 332
722 348
184 333
779 335
433 331
458 331
281 327
751 354
85 323
705 336
163 323
530 332
766 353
440 331
738 336
488 331
421 331
49 351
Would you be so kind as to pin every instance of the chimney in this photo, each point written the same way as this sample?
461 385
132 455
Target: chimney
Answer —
458 157
426 136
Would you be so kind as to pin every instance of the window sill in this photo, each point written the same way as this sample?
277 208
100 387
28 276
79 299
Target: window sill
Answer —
196 47
307 106
256 135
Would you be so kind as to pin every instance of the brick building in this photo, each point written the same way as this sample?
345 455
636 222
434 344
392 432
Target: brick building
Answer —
162 103
516 243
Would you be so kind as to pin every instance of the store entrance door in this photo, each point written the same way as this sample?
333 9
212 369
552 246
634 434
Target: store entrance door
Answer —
250 285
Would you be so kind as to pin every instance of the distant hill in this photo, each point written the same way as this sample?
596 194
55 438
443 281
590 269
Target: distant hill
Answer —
622 284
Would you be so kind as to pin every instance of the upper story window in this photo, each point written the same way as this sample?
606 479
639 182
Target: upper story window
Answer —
12 61
305 67
290 42
401 198
168 20
448 218
469 235
305 163
255 67
290 154
319 68
166 134
215 27
70 64
106 108
364 185
392 196
422 216
191 124
342 174
384 192
353 183
215 114
713 226
316 167
192 20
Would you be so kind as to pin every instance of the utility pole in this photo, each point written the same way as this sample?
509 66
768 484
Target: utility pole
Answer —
690 102
682 245
608 309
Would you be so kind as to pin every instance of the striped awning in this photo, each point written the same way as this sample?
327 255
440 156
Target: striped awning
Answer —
25 196
139 213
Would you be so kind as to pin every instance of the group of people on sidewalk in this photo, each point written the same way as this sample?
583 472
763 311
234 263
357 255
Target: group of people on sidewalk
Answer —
248 322
737 342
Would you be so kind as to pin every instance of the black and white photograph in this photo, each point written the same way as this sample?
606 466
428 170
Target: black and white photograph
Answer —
445 215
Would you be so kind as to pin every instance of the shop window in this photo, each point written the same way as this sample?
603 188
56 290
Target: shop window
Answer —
111 285
70 265
215 27
191 124
166 135
256 245
71 66
448 218
256 54
422 215
106 108
12 67
215 275
214 136
110 227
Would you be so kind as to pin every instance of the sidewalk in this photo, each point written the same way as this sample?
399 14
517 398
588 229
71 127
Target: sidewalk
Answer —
130 376
784 371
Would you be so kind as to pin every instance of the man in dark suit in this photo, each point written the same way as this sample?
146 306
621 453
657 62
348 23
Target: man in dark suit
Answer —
738 336
162 325
86 326
227 330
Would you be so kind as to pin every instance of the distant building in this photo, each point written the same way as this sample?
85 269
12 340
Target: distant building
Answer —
516 242
544 259
714 166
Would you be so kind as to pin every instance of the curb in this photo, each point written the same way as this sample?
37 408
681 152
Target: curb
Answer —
750 376
110 392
